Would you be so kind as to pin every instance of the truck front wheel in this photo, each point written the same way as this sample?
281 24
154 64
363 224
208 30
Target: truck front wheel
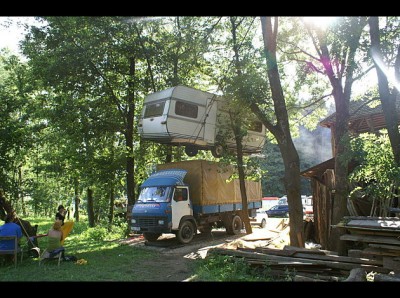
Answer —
186 232
151 236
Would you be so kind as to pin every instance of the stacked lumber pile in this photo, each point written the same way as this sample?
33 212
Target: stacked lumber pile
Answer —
377 237
378 261
302 264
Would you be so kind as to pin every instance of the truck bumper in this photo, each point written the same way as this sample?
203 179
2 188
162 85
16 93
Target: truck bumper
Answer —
151 225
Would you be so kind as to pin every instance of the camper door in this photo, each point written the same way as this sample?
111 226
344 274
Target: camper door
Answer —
255 139
154 118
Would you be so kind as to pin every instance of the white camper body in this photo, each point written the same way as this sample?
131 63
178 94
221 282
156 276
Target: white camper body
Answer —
186 116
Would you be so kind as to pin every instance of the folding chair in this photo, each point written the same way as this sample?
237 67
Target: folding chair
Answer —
52 255
13 251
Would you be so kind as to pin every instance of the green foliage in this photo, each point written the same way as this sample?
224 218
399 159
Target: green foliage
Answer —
377 176
226 268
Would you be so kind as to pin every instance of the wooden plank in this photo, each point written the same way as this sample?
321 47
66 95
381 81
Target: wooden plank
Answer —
389 247
378 252
308 254
370 239
300 278
372 231
391 263
384 223
270 259
370 218
354 253
304 250
322 277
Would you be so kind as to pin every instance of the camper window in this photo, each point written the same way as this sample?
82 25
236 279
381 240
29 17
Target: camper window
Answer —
255 126
154 110
186 109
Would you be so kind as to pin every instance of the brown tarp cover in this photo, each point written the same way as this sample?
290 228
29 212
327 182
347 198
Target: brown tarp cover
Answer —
208 183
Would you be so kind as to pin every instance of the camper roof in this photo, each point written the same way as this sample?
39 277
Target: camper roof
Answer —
180 92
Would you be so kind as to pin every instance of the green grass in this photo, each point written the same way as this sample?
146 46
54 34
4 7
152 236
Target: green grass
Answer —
227 269
107 259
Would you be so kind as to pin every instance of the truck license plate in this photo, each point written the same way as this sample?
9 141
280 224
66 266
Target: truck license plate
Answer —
135 228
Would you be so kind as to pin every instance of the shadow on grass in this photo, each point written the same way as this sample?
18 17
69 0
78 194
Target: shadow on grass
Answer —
106 260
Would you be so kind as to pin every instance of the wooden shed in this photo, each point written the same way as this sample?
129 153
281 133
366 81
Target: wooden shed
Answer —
365 116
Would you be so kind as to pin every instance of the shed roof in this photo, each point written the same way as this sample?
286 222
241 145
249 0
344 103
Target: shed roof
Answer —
365 115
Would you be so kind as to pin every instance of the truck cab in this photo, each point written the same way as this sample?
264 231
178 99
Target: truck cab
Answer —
164 206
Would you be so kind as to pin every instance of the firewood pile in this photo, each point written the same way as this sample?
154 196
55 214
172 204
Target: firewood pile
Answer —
305 264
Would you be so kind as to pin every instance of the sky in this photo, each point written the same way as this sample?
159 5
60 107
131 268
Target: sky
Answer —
11 33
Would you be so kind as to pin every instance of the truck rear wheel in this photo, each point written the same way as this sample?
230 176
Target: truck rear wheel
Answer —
235 226
151 236
217 151
191 150
186 232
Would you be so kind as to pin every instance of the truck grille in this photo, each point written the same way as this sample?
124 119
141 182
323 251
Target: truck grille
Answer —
148 221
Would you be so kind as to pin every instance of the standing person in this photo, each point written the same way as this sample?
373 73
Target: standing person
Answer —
67 226
60 215
10 229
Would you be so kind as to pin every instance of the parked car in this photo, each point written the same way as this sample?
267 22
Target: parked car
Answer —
260 219
278 211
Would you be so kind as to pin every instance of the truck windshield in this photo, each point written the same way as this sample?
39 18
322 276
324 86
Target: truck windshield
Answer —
155 194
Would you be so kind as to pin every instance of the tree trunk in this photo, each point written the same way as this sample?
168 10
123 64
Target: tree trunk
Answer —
20 191
341 96
111 206
77 200
236 123
281 132
130 162
90 209
387 98
239 158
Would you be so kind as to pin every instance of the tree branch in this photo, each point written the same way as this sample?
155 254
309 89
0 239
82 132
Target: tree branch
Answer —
95 68
149 68
363 73
300 50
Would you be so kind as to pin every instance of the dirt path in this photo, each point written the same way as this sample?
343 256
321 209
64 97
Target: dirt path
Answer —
175 261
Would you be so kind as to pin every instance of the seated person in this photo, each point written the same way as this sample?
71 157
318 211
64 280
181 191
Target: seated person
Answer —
55 237
10 229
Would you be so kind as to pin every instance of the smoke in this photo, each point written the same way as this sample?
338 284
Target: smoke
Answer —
314 147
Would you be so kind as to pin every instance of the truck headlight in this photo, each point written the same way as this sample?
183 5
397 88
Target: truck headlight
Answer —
133 220
161 222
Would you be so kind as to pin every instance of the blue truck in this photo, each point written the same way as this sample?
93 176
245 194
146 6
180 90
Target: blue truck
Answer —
189 196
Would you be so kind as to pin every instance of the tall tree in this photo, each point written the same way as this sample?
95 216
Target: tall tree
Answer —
388 95
336 58
281 130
